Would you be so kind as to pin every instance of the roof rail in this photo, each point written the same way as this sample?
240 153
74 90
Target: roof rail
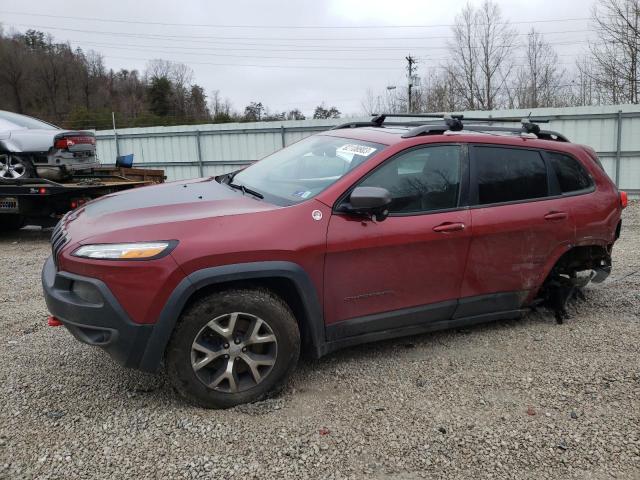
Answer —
435 129
456 123
462 117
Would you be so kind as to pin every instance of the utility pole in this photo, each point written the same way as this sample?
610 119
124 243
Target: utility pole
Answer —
411 65
115 133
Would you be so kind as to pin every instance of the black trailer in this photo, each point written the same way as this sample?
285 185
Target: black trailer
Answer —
37 201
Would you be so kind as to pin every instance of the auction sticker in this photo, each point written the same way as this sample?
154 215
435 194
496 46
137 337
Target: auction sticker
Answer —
355 149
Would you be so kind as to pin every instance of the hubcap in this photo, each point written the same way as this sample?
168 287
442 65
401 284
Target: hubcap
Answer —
234 352
11 167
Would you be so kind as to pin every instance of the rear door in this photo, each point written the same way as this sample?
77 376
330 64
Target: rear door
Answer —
407 269
518 224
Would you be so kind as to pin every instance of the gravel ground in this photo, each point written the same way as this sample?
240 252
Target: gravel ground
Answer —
517 399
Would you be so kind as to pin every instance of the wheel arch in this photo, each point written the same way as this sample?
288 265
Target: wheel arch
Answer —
286 279
584 255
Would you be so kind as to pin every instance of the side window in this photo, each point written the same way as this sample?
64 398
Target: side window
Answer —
509 174
571 175
421 180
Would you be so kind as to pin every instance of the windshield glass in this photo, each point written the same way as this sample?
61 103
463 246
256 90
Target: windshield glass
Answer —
303 170
23 121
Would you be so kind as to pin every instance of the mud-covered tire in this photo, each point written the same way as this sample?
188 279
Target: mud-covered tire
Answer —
260 304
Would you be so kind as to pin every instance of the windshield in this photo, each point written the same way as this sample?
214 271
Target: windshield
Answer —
23 121
303 170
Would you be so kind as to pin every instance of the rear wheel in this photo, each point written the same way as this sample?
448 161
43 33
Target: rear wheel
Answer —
13 167
233 347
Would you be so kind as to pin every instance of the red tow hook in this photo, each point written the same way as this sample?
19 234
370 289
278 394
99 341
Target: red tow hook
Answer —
53 321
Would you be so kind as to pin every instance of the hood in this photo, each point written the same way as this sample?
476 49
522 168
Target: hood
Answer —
158 211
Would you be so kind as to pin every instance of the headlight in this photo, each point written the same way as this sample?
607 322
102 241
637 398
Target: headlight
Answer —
125 251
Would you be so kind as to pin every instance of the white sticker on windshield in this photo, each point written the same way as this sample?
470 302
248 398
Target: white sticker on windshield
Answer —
354 149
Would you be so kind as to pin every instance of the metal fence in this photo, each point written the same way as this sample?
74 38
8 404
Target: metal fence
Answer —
203 150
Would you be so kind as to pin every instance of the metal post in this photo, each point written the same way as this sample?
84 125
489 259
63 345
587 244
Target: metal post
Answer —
200 165
618 147
282 135
115 133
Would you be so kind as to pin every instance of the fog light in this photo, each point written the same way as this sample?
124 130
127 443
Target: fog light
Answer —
86 292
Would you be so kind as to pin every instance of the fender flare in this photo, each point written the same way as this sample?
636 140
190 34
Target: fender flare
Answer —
162 330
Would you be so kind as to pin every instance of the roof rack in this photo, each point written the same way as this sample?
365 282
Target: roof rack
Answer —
455 123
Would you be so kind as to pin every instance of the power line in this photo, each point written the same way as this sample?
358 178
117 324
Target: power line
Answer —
298 47
321 67
186 51
333 49
295 27
199 38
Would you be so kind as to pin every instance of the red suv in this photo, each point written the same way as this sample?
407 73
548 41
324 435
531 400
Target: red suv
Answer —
362 233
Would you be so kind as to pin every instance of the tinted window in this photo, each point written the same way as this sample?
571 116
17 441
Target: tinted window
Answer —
509 174
571 175
421 180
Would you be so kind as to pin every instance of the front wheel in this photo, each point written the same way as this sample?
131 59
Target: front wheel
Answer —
233 347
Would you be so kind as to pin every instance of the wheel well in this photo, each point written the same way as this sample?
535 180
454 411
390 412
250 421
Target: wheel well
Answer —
564 280
285 288
582 258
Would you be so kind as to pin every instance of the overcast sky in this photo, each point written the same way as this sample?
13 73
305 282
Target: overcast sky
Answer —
286 54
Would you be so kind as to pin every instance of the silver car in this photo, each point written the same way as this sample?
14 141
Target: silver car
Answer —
32 148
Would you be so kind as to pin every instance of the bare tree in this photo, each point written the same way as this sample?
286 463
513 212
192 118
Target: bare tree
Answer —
372 103
437 92
538 82
482 48
14 71
616 54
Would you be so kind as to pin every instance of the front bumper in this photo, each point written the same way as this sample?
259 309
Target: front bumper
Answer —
88 309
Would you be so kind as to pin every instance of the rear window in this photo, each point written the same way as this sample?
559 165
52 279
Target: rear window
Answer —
509 174
572 176
23 121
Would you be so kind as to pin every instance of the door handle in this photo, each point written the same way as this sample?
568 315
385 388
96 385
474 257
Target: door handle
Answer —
448 227
556 216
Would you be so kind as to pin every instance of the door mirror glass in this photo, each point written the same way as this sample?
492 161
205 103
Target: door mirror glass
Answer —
370 201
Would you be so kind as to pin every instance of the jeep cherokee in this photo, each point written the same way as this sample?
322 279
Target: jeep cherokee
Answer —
366 232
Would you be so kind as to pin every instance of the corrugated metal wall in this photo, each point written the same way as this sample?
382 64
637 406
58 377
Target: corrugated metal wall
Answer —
202 150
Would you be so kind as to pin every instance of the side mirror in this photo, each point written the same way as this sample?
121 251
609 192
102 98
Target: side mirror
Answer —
370 201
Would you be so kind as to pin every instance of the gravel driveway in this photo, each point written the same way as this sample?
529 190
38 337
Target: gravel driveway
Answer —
514 399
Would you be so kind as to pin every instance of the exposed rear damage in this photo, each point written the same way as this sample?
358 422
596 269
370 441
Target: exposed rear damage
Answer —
572 272
31 148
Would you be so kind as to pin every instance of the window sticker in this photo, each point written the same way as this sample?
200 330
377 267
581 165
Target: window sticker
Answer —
302 194
354 149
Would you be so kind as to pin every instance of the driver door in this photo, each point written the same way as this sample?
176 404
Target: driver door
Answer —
407 269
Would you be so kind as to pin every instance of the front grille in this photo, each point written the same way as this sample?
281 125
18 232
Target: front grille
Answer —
59 238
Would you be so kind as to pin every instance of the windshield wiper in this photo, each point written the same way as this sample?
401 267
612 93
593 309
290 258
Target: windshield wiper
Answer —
246 190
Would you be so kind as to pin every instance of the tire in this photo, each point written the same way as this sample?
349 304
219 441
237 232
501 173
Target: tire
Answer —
14 167
11 222
266 336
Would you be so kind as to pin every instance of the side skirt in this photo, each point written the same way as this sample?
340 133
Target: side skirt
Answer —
426 327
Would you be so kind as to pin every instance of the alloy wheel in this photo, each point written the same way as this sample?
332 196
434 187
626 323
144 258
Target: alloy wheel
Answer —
234 352
11 167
